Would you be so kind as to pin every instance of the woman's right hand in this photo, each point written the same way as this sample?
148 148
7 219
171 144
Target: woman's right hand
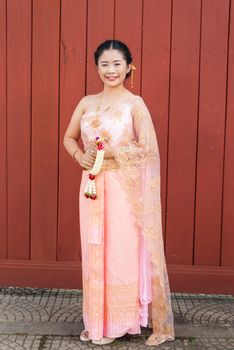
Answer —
87 159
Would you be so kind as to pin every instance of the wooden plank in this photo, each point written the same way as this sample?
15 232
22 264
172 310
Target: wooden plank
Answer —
40 274
183 278
201 279
18 126
3 134
212 101
45 81
182 133
72 89
128 24
227 257
99 28
155 82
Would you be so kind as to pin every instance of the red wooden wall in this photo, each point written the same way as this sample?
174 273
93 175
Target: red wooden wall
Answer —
184 54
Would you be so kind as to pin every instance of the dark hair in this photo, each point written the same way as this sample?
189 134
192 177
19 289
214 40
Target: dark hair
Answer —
117 45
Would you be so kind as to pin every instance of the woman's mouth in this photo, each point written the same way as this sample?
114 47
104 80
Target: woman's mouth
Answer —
111 78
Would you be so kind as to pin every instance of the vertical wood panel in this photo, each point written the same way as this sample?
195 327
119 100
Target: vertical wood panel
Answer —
18 126
72 89
211 131
155 77
99 29
45 81
182 130
128 28
3 127
228 191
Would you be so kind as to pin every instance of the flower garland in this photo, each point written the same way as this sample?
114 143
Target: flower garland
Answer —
90 188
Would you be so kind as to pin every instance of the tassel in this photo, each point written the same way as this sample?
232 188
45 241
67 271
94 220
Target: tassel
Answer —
132 70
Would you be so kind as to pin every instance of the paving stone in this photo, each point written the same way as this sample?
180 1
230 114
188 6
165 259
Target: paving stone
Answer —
19 342
36 318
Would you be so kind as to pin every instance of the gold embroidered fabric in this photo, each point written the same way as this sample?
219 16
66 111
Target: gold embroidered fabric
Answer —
121 303
139 161
94 289
109 164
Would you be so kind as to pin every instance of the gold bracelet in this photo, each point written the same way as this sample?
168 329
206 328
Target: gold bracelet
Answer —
73 155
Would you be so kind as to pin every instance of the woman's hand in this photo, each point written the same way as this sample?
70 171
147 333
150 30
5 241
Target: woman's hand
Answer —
87 159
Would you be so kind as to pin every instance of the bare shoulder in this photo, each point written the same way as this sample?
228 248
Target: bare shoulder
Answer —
86 99
137 101
139 108
89 101
91 97
138 98
132 98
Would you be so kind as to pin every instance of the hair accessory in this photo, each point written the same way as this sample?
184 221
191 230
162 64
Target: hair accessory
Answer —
132 70
90 188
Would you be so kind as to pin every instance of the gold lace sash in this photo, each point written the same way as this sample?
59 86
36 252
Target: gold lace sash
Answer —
109 164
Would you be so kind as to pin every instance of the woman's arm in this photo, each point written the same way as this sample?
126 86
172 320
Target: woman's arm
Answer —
72 135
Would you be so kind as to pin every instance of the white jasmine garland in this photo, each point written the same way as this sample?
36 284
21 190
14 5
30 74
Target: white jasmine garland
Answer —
90 188
98 162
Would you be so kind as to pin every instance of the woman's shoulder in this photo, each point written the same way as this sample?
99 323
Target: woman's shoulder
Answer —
133 99
89 101
139 107
137 101
90 98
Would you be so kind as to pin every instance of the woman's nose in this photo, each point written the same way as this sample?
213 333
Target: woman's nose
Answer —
111 69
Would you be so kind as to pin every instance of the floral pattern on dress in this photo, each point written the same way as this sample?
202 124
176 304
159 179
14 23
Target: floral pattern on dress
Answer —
115 125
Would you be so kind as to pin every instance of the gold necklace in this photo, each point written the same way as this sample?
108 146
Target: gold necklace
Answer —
108 107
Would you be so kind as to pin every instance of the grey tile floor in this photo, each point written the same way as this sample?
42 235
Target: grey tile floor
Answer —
34 318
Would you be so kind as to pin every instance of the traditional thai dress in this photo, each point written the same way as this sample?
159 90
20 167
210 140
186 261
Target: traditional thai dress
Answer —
125 281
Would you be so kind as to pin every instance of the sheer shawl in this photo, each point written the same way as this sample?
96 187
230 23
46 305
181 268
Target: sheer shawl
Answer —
140 167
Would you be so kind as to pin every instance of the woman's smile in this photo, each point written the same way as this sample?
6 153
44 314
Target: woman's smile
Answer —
112 78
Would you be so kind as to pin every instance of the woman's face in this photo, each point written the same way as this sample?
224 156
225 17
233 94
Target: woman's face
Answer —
112 67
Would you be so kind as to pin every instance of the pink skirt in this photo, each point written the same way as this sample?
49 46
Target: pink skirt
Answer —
115 265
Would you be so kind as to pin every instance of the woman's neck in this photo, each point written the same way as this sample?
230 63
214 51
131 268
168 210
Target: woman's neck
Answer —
115 91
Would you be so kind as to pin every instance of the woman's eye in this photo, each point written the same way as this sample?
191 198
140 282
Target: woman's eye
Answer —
116 64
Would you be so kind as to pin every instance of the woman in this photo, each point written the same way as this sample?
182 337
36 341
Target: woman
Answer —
125 282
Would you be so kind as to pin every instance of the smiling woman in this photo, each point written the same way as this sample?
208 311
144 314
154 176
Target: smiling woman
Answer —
110 69
125 282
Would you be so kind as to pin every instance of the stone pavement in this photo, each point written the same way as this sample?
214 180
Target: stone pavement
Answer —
34 318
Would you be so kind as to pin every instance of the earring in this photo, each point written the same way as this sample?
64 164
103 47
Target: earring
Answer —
132 70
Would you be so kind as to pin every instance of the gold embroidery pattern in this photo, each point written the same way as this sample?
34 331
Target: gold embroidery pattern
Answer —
105 134
122 298
120 303
116 114
109 164
93 291
95 123
140 167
